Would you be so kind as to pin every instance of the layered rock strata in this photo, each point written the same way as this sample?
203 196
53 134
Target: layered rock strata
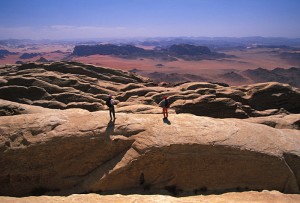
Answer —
64 85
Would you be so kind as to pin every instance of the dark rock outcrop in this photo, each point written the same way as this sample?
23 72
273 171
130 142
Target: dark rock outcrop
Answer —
42 60
4 52
290 76
187 49
184 51
108 49
29 55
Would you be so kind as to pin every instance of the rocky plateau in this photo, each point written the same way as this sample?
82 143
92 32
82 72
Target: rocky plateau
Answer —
56 137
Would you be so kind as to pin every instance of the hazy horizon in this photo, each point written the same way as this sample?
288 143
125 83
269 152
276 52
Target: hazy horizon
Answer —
96 19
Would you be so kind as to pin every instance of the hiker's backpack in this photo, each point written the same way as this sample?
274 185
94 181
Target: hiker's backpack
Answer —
108 103
167 104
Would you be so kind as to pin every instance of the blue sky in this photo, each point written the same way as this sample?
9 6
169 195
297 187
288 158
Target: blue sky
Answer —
75 19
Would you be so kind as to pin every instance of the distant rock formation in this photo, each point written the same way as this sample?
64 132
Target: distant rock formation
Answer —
187 49
175 77
29 55
58 52
20 62
4 52
290 75
109 49
291 56
42 60
184 51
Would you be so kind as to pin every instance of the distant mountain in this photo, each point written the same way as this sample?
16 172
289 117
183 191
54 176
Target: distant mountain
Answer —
234 77
4 52
291 56
109 49
42 60
29 55
175 77
213 43
187 49
184 51
290 76
222 41
193 52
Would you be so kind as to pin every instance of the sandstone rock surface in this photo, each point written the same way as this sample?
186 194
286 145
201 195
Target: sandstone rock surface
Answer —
8 108
244 197
56 137
291 121
64 85
75 151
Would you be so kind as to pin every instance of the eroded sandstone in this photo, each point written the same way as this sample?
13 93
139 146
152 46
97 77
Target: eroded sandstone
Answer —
75 151
64 85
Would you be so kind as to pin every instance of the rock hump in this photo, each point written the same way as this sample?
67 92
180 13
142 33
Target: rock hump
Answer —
76 151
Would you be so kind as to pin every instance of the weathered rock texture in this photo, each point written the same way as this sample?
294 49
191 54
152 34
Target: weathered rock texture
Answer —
64 85
282 121
233 197
50 145
8 108
76 151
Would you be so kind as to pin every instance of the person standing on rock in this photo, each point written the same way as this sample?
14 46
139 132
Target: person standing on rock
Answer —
110 103
165 106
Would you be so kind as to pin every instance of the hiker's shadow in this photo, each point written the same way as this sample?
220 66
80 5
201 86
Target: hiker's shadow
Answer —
110 127
167 121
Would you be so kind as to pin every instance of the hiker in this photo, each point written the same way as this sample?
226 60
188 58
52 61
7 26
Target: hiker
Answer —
165 106
110 104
